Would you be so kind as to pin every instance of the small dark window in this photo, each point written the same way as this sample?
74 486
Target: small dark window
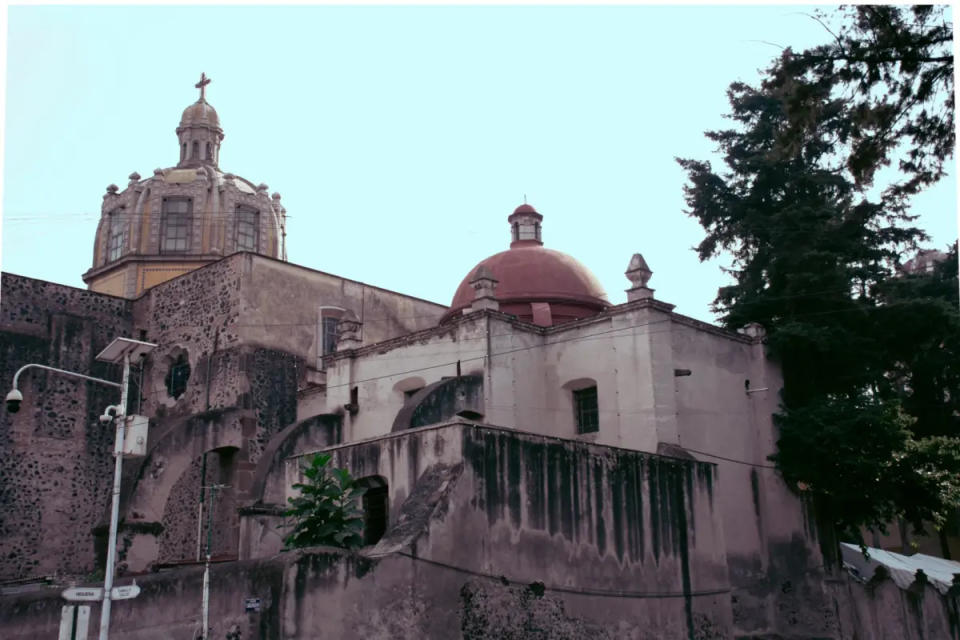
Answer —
516 231
247 223
117 236
176 225
585 410
329 335
183 152
177 376
209 151
375 512
195 152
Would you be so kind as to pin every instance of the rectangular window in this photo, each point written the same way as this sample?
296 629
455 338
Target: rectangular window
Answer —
585 410
247 227
175 234
118 235
329 335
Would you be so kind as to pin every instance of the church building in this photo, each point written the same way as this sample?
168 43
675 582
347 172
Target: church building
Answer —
539 462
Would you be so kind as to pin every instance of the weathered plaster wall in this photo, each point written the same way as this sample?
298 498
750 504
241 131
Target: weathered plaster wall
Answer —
55 462
282 304
636 532
320 593
772 550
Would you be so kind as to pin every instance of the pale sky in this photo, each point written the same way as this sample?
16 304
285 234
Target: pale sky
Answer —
399 137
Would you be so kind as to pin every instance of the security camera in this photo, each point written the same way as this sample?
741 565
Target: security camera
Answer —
108 414
14 398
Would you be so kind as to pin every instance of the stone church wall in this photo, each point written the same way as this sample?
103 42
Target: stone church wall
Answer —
55 455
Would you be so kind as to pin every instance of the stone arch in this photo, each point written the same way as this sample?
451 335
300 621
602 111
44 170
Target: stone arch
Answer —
187 528
174 456
442 400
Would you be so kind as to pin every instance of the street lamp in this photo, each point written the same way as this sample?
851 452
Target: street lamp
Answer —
120 350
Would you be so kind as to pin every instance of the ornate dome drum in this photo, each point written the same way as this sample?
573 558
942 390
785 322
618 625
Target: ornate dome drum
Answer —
183 217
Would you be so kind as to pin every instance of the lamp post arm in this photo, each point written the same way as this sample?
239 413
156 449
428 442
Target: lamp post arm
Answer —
16 376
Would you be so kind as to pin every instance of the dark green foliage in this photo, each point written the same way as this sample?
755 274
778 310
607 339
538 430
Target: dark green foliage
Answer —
326 512
892 68
871 398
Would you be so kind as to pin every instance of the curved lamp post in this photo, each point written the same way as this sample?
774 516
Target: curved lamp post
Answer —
120 350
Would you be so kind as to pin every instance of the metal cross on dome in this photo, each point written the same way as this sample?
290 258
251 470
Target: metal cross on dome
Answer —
202 85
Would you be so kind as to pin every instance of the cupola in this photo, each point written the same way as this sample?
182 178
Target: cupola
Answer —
199 132
536 284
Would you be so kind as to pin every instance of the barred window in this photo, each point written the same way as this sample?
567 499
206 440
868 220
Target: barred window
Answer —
117 238
586 410
247 227
176 225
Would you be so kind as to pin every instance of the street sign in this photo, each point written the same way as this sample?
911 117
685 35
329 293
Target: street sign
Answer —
125 593
251 604
79 594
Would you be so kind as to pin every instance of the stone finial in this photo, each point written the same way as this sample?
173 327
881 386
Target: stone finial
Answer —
112 189
348 331
276 196
638 273
262 187
754 330
158 172
484 286
134 177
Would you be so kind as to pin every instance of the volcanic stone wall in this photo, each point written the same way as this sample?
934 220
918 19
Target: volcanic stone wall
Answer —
55 455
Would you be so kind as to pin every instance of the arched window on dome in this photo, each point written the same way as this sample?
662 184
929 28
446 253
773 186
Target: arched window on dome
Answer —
516 231
195 152
209 151
248 220
183 152
117 237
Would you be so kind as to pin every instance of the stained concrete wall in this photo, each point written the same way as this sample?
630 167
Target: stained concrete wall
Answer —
776 567
55 455
632 541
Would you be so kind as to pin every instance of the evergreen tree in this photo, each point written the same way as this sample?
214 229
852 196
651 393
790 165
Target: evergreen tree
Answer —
868 420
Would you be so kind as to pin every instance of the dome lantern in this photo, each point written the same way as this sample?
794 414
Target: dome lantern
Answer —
199 133
525 226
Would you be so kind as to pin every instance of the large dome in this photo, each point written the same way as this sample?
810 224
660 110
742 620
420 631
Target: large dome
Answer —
534 283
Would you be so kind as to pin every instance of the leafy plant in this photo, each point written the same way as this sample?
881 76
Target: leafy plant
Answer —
327 511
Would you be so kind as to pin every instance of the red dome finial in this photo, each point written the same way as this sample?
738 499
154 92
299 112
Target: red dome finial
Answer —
525 208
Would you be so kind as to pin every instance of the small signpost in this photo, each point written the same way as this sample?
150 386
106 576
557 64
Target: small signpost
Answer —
83 594
125 593
74 620
251 604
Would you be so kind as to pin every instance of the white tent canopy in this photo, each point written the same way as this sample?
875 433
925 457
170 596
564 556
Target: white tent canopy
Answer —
903 569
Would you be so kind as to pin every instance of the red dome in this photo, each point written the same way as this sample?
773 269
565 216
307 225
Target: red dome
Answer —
537 285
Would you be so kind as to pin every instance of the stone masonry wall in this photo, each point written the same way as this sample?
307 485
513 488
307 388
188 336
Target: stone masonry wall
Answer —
55 456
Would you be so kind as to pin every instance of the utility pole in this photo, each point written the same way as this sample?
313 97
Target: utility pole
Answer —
206 570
